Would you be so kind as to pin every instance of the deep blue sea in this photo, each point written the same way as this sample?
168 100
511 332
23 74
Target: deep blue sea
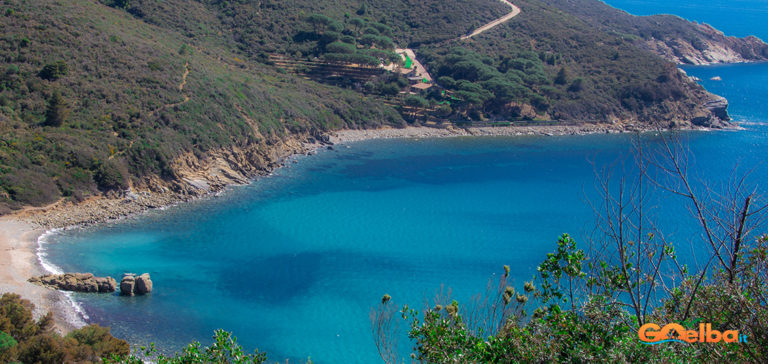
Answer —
293 263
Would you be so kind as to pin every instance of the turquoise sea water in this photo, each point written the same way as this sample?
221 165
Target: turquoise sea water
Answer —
734 17
293 263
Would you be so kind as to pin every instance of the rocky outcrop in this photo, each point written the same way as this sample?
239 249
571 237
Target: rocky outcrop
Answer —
709 46
132 285
76 282
193 176
716 114
719 107
672 37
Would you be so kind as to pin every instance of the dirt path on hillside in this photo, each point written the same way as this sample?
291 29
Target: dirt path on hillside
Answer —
181 89
512 14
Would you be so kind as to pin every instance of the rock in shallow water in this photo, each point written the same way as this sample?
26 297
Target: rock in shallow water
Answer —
77 282
143 284
127 284
135 285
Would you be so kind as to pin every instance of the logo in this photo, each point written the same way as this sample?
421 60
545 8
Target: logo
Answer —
652 334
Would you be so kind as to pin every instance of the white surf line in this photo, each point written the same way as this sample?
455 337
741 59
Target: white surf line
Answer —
77 317
515 11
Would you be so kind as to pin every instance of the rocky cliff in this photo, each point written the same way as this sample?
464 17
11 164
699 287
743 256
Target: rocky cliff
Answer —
710 47
672 37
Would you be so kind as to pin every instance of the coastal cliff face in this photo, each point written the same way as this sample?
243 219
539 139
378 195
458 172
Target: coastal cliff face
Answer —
671 37
193 176
710 47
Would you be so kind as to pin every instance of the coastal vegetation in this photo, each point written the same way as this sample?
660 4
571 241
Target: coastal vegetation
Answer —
25 340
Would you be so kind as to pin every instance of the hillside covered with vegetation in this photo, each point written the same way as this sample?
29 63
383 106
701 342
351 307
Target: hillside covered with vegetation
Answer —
93 98
106 95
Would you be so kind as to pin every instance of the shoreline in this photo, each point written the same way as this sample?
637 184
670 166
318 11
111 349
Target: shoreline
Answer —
19 261
20 232
354 135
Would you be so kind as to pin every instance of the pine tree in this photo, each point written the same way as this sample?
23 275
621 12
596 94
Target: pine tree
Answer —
57 110
562 77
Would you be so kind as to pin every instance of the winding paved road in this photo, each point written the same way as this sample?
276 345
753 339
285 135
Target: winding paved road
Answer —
512 14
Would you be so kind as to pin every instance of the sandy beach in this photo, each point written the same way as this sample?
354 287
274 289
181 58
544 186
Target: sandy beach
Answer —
18 262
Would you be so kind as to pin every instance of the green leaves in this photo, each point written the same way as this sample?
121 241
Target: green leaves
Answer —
566 261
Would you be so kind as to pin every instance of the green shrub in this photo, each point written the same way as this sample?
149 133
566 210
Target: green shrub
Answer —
54 71
110 177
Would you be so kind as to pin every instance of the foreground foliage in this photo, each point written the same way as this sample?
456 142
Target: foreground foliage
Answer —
595 328
25 340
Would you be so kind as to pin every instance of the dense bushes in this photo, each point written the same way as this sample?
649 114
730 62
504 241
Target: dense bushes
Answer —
57 111
54 71
268 26
22 339
354 41
567 69
488 84
108 176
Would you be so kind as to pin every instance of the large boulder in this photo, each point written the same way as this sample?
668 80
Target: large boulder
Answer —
127 284
143 284
76 282
132 284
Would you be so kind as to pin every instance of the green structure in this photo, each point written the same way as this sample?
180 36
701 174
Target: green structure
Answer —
408 61
6 342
